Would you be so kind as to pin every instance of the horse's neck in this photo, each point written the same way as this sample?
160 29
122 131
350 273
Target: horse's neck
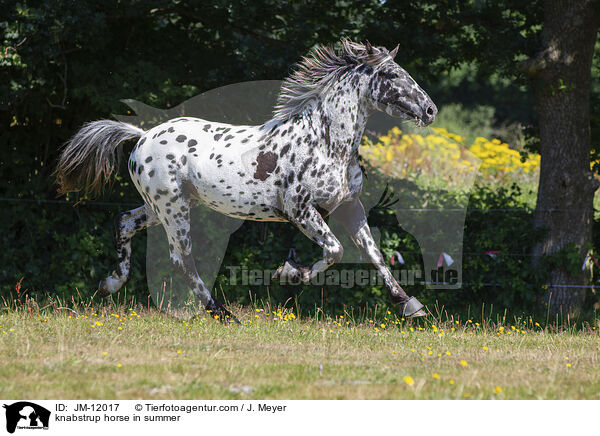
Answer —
342 117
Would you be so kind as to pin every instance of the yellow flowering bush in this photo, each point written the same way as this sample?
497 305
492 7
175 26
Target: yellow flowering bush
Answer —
443 156
497 156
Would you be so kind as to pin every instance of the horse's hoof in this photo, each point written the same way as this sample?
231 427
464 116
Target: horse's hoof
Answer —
109 286
417 314
286 272
412 308
277 274
231 319
216 308
102 291
291 272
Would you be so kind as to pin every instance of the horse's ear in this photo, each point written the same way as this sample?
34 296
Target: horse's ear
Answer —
394 52
369 47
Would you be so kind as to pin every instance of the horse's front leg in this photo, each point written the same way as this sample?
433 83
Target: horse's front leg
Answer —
352 216
310 222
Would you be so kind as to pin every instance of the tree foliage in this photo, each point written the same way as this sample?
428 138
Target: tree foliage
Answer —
66 62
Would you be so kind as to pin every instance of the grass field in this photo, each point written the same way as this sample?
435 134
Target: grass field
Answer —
127 353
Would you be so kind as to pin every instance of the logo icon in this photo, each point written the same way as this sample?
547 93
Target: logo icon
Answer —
26 415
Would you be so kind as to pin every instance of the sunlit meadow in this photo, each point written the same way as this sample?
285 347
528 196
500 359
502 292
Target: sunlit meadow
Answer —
120 352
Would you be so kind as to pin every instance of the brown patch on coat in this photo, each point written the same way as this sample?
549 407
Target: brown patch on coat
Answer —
189 190
265 165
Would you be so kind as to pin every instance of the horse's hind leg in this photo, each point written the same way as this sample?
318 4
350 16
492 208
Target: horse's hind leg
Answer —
177 226
127 224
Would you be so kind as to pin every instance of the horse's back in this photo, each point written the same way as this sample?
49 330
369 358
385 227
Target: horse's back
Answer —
214 163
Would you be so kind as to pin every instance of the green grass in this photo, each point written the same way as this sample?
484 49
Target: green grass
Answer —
61 353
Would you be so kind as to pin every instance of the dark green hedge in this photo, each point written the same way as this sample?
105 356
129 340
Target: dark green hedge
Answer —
65 250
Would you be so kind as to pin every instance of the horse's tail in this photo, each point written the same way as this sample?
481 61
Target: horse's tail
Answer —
89 159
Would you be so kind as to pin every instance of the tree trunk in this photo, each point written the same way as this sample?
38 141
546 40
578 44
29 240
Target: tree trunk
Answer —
561 76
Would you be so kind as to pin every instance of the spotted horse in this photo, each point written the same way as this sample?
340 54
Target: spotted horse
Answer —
299 167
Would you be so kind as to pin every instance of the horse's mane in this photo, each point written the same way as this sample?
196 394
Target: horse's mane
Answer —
318 70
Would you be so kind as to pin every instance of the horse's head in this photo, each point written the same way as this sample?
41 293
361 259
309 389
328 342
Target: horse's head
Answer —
393 91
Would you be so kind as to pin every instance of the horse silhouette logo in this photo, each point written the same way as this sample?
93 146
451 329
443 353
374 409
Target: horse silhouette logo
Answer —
26 415
436 230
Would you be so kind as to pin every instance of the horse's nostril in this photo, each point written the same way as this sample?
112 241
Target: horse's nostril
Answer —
430 110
